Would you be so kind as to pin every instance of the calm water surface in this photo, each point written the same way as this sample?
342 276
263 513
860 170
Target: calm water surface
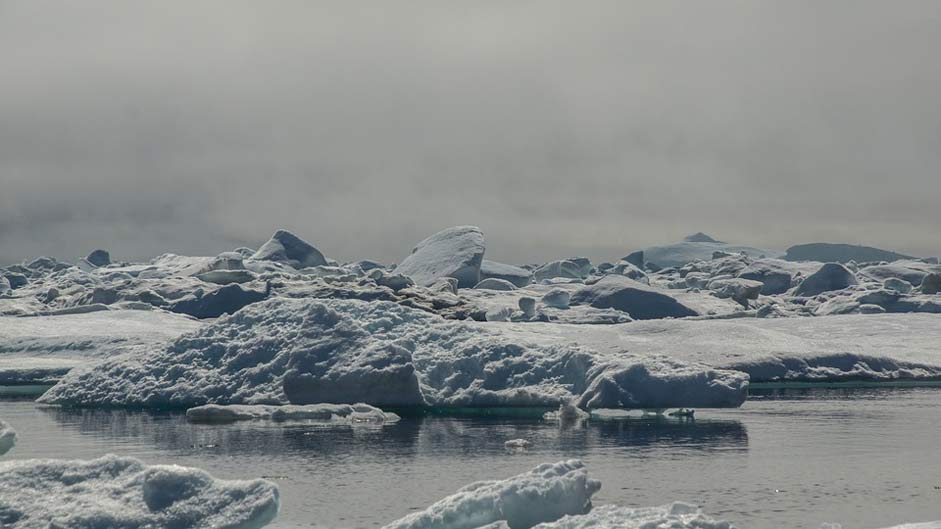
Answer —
865 458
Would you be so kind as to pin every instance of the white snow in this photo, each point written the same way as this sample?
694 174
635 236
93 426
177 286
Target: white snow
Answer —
7 438
123 492
40 349
543 494
335 413
676 515
455 252
924 525
308 351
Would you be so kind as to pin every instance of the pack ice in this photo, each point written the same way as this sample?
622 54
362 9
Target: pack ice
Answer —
123 492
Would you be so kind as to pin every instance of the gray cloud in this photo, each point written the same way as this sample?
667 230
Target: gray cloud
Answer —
559 128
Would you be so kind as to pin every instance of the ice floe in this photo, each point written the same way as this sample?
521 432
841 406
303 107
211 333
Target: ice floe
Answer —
345 351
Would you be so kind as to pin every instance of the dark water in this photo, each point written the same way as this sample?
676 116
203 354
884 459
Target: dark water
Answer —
865 458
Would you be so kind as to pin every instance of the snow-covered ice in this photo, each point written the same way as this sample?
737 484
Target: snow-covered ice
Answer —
123 492
41 349
346 351
543 494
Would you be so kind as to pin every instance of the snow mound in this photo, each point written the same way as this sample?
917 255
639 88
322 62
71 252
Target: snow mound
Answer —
455 252
123 492
308 351
339 413
543 494
674 516
285 247
7 438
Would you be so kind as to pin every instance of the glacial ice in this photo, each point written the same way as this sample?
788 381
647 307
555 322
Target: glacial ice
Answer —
7 438
543 494
123 492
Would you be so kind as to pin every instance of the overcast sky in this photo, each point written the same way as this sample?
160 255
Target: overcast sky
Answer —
587 128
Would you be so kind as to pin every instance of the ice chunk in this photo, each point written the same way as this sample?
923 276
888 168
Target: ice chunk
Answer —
348 413
578 268
514 274
7 440
114 491
495 284
681 253
557 298
674 516
517 444
663 384
642 302
831 276
225 300
543 494
290 249
931 284
99 258
455 252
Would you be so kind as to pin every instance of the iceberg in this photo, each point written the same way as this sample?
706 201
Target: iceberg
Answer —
123 492
543 494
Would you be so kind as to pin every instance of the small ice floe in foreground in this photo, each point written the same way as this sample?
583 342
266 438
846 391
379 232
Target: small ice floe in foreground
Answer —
544 494
517 444
114 491
551 496
687 413
7 438
335 413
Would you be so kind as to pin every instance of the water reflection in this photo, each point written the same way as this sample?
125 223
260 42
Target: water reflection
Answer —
169 431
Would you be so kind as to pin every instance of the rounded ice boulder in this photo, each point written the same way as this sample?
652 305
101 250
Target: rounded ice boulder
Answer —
455 252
